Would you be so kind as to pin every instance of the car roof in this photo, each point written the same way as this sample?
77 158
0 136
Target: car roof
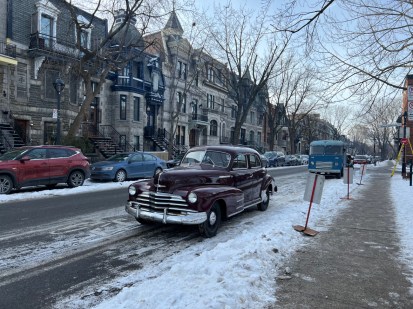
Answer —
44 146
324 142
227 148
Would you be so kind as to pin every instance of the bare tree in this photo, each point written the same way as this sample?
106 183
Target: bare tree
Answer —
248 45
294 88
340 117
363 46
380 121
101 57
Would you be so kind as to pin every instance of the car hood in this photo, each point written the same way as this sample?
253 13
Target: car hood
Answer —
197 175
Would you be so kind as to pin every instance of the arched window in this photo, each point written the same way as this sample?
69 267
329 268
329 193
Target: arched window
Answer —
213 128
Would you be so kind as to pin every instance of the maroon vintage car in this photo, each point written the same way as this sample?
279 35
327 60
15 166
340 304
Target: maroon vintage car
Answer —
212 183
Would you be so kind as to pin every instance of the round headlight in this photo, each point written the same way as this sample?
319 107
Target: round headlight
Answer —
192 198
132 190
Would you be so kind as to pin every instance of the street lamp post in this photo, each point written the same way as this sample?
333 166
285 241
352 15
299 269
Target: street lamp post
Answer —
58 85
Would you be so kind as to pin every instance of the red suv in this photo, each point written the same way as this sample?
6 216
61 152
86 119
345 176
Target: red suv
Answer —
42 165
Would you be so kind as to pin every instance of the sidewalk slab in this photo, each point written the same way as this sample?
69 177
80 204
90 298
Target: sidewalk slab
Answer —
354 264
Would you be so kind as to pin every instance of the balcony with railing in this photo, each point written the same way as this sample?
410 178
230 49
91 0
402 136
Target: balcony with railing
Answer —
7 53
41 44
198 121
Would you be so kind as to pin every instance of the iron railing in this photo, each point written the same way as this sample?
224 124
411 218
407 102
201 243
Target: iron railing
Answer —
7 49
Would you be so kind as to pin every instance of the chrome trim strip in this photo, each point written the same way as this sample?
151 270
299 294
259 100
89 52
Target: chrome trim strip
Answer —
165 216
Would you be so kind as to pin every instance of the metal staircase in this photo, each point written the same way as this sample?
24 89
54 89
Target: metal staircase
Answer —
108 142
9 138
161 138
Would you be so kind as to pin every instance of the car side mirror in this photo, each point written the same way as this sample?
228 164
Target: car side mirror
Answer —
24 159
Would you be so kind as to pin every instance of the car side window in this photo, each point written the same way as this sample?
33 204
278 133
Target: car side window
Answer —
148 157
136 158
37 154
240 162
254 161
58 153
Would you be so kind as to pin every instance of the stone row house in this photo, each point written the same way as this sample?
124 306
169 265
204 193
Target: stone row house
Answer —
169 96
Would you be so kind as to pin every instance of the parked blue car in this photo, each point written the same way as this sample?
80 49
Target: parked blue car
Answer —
127 165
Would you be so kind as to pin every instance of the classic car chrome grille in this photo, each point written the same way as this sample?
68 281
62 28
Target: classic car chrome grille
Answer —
157 199
324 165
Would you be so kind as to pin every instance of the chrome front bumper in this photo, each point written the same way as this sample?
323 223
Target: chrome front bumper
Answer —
166 215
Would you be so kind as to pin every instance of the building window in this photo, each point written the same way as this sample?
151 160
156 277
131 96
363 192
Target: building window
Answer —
251 140
85 32
210 101
181 102
122 107
222 105
184 103
243 136
180 135
210 74
181 70
85 39
213 128
233 111
46 30
94 85
137 143
136 108
252 117
139 70
123 78
44 22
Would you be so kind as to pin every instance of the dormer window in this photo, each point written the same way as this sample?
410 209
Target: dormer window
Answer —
211 74
44 22
85 31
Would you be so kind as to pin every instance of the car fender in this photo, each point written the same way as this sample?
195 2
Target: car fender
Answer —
230 197
12 175
82 168
269 182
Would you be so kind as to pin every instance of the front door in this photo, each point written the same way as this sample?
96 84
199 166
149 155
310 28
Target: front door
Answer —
192 138
22 129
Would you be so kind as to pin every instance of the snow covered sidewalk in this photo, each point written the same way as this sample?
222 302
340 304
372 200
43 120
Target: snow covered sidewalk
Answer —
356 263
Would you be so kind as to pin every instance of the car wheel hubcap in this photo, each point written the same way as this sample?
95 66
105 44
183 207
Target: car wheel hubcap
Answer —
4 185
77 179
212 218
121 176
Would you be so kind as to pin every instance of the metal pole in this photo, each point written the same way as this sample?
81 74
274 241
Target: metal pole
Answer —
404 148
58 119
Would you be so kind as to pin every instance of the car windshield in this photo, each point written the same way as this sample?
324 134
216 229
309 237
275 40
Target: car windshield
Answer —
215 158
119 157
12 155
